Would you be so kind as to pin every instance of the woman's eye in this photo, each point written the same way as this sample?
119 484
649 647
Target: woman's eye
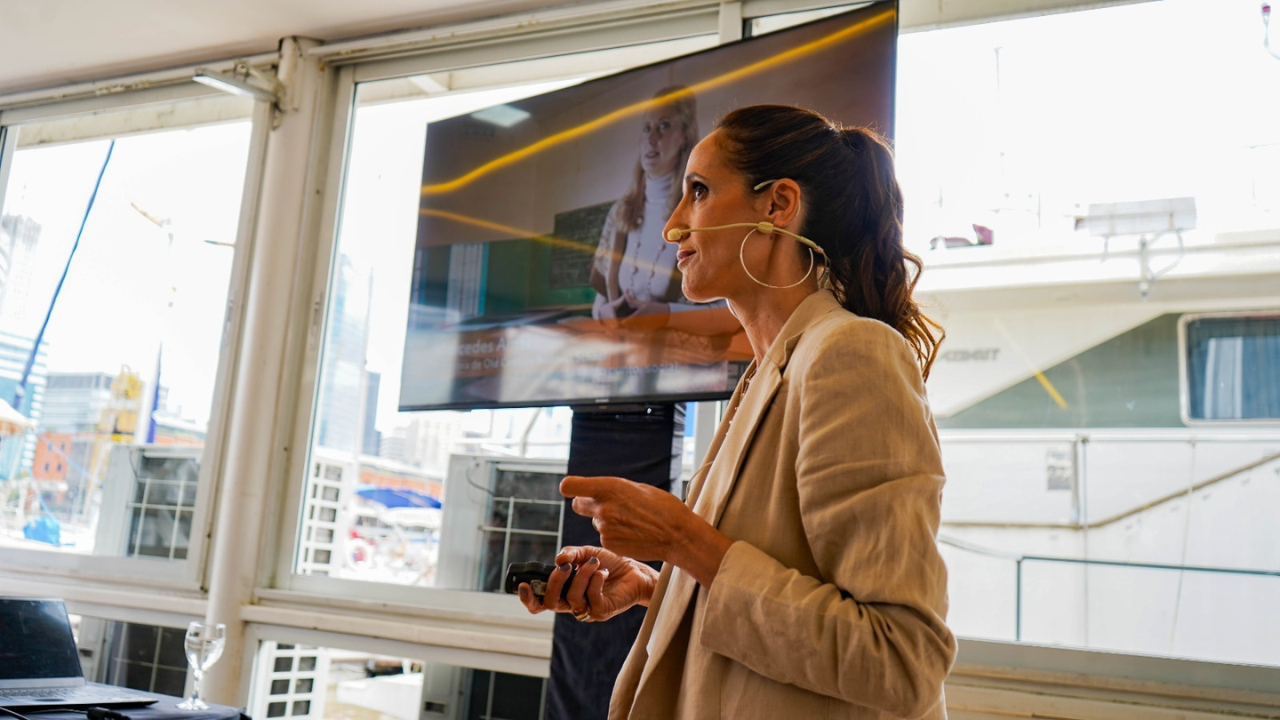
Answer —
697 190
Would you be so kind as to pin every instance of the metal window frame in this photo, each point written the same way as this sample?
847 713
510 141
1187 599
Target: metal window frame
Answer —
109 93
144 574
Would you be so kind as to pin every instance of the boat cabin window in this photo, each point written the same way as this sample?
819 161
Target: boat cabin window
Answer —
1233 368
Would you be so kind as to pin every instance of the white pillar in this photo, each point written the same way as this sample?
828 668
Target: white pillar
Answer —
255 458
730 21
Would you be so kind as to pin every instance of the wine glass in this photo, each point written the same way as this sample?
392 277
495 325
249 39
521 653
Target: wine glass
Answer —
204 643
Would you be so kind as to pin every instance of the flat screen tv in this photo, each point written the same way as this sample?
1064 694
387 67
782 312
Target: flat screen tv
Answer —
540 275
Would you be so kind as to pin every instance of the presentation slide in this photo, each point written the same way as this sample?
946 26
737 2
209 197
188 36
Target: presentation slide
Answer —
541 276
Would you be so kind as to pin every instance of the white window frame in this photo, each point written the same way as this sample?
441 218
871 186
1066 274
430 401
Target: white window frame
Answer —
85 578
629 23
1184 379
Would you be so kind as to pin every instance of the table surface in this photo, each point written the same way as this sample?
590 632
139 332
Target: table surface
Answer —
166 708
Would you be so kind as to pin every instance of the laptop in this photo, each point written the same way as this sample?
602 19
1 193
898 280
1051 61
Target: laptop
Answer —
40 664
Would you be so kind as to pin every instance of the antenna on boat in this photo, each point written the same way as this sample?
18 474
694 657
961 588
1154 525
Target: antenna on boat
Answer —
1149 220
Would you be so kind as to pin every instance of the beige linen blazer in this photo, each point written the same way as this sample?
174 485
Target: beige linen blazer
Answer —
832 600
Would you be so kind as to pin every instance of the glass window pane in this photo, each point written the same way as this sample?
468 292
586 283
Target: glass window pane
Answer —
109 344
134 655
353 684
1233 368
1071 211
383 501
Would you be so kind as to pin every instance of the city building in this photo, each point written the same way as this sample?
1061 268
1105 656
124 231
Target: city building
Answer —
372 437
346 387
19 236
17 453
75 402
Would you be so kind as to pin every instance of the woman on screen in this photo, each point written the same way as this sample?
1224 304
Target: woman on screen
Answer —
802 578
634 270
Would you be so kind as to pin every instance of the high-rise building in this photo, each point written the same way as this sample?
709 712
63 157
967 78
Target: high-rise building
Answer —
19 236
391 444
74 402
16 454
342 381
425 442
372 438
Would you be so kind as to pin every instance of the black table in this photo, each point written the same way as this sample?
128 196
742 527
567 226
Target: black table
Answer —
166 708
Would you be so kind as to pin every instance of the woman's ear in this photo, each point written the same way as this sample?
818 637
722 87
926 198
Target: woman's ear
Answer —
784 202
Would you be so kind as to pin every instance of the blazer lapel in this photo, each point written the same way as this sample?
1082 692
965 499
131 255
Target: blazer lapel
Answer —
675 587
753 405
709 494
741 428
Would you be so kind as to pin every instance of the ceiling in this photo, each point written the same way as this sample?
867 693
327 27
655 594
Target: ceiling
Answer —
46 43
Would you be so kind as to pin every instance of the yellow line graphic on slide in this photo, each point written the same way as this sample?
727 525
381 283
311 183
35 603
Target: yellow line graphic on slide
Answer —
637 108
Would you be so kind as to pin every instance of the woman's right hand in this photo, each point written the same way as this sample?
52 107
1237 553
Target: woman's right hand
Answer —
606 584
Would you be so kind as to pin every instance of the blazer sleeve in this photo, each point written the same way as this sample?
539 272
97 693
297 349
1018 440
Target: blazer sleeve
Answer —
871 629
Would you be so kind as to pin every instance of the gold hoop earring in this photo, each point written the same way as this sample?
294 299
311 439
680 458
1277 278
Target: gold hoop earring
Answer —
742 259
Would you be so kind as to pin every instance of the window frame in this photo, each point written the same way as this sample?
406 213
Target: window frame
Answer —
187 575
1184 380
639 29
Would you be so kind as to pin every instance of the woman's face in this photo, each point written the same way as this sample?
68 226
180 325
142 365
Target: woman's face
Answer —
661 135
715 194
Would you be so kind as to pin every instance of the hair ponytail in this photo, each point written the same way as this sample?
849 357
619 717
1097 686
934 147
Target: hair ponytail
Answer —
855 210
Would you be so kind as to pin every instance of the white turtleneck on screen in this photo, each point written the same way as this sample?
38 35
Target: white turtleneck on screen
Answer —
648 268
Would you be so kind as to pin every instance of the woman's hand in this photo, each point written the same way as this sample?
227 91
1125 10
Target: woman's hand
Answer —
606 585
610 311
647 523
644 314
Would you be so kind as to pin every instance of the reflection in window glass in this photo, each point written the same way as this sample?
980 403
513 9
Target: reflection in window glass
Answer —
117 394
382 502
133 655
298 681
1071 209
524 514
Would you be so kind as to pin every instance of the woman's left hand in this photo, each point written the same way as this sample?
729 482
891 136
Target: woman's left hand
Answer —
647 523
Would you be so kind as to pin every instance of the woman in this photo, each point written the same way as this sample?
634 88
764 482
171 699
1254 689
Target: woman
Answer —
802 579
634 268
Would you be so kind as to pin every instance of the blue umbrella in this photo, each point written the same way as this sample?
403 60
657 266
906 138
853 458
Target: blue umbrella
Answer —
397 497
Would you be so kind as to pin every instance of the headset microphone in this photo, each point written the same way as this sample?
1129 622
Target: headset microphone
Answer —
768 228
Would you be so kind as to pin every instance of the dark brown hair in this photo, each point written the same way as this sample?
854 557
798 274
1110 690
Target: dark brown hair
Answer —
853 209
